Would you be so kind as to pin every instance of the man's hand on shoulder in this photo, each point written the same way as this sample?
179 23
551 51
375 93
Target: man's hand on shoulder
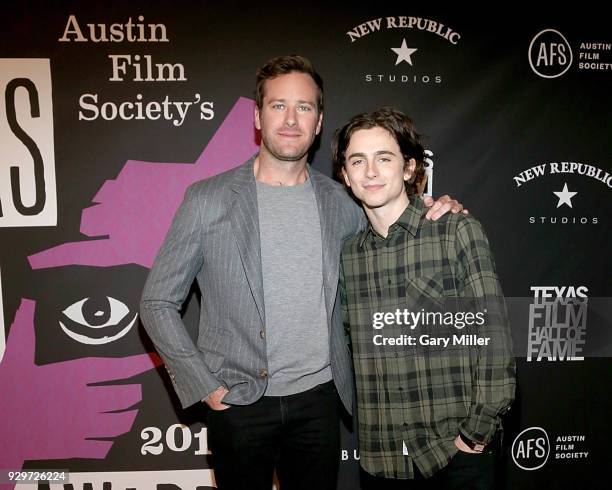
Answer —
441 206
214 399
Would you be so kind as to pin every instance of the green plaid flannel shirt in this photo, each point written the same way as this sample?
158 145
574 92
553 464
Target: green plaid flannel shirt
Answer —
411 404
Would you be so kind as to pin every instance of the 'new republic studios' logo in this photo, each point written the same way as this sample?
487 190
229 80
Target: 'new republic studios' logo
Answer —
405 58
563 201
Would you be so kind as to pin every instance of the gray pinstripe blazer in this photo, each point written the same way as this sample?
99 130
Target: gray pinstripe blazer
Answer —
214 238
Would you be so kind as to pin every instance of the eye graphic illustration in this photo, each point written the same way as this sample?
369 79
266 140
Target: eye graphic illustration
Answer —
97 320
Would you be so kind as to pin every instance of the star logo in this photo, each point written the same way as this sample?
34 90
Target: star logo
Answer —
565 196
404 53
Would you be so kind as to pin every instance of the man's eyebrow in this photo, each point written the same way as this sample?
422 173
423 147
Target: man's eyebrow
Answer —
358 154
301 101
377 153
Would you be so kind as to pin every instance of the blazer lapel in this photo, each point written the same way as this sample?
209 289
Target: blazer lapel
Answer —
245 224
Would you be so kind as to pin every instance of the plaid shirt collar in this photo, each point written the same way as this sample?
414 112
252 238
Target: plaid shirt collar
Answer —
409 220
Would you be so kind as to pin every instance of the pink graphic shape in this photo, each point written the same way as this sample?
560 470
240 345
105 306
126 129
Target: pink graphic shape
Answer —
52 411
63 412
134 211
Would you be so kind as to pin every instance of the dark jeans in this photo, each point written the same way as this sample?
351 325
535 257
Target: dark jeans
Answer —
299 435
465 471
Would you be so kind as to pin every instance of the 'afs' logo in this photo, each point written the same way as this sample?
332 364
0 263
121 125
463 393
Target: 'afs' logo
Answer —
531 449
550 55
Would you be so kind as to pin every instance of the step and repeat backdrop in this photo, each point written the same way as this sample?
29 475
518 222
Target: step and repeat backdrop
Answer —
109 110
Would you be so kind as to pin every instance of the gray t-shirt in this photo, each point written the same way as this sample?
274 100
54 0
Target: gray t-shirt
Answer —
297 337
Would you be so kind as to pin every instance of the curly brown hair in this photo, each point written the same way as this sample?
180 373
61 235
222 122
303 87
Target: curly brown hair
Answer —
399 126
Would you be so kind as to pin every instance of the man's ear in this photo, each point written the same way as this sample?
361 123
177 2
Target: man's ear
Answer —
256 117
409 168
319 123
345 176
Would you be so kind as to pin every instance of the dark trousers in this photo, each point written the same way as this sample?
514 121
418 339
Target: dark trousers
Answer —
465 471
299 435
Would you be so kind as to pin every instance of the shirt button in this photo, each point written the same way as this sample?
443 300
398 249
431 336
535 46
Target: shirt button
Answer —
263 373
262 334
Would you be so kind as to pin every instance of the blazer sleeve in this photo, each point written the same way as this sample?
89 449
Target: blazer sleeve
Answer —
177 264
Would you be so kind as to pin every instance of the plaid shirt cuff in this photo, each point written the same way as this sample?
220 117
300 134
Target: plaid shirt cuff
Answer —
480 424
